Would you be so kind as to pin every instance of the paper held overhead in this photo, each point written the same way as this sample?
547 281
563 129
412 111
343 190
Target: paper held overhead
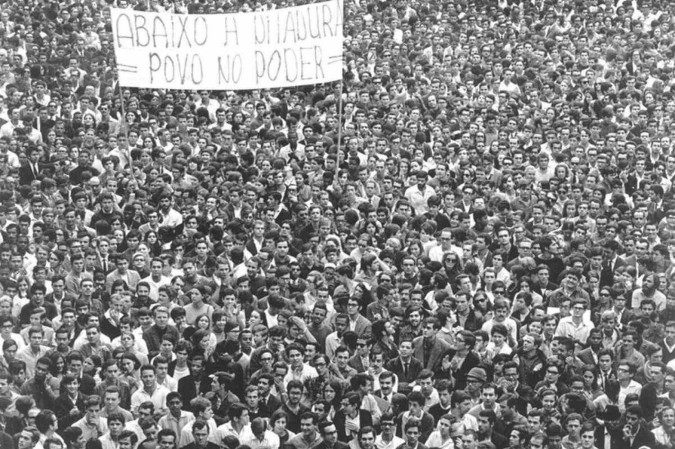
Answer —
265 49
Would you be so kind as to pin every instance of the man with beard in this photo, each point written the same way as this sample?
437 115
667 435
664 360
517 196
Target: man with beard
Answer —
569 289
419 194
169 217
649 290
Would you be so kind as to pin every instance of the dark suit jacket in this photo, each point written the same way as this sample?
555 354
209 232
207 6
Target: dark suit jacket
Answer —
648 397
607 272
396 367
337 445
363 326
438 350
26 175
426 426
407 446
109 328
153 337
473 321
209 445
188 389
631 184
643 438
356 363
667 354
87 384
550 288
586 356
269 406
471 360
6 440
365 419
499 440
62 407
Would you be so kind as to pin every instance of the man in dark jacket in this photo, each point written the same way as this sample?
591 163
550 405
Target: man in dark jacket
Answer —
196 383
351 418
633 434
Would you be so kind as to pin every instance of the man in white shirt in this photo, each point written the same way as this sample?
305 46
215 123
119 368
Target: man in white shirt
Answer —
575 327
420 193
298 369
387 439
151 391
437 252
176 418
237 426
156 279
262 437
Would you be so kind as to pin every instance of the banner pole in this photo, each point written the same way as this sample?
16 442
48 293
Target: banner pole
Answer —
339 137
125 127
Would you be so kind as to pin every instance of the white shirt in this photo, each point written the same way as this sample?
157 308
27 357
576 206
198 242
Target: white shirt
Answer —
435 440
154 286
187 438
227 429
393 444
81 340
418 199
567 328
18 339
172 218
169 383
307 372
270 441
158 398
633 387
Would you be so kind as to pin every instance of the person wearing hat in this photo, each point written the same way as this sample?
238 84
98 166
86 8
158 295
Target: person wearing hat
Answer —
475 379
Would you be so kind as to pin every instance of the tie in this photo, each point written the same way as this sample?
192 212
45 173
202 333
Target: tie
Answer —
406 366
104 263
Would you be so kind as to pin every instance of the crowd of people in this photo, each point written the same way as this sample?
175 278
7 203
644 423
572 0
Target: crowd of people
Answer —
464 244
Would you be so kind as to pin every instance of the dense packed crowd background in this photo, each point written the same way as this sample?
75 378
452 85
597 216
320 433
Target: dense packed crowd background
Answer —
465 244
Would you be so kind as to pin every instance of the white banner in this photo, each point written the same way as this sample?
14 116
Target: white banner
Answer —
256 50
